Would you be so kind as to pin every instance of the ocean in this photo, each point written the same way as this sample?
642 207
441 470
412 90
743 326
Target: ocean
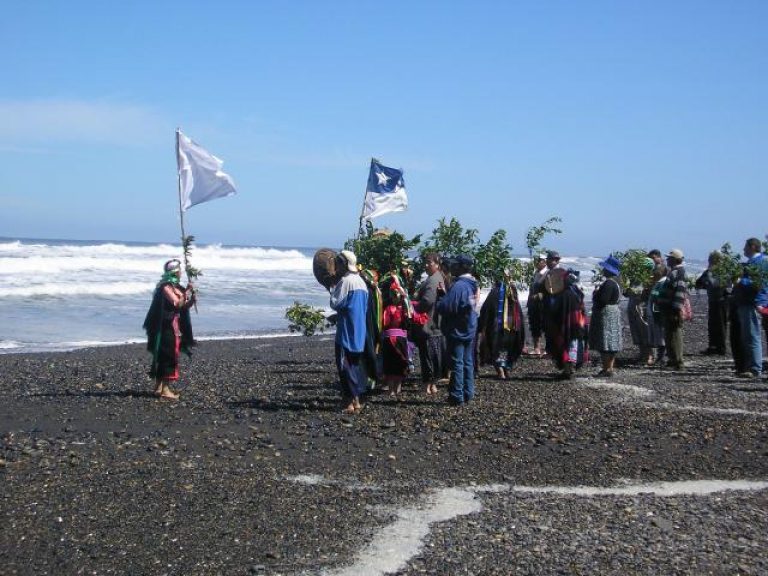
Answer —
62 294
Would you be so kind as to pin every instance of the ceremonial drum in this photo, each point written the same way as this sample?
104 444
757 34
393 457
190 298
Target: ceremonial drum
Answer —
325 268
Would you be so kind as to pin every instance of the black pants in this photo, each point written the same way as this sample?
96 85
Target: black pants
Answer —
717 325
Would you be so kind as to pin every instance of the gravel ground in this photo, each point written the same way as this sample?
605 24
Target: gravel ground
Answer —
256 471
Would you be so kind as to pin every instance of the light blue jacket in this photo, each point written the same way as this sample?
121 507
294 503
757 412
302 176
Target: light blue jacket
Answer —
349 299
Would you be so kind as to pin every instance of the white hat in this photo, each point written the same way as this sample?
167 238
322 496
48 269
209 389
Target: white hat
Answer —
676 253
351 260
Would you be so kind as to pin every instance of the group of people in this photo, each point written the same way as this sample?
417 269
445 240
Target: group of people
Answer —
737 309
378 326
382 321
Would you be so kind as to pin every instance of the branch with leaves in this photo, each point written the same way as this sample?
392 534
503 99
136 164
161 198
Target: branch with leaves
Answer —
306 319
192 272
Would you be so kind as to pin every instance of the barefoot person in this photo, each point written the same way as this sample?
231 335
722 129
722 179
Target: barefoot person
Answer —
349 298
168 327
394 339
429 337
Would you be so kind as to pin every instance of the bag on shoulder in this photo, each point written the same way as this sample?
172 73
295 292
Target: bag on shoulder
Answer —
687 310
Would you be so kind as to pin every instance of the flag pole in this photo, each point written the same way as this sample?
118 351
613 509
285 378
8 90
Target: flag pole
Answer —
181 208
181 217
362 211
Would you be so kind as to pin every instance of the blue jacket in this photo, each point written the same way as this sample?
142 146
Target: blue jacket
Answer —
760 262
350 299
457 309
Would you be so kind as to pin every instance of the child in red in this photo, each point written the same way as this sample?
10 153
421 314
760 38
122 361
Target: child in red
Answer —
394 340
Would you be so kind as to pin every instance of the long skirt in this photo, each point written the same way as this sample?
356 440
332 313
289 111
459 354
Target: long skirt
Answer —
395 355
605 329
166 351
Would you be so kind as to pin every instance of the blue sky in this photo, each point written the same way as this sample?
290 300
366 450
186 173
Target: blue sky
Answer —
640 124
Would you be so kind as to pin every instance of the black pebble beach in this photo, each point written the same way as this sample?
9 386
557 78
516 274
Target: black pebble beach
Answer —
256 471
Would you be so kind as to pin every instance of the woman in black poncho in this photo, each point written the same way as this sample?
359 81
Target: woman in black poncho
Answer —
169 329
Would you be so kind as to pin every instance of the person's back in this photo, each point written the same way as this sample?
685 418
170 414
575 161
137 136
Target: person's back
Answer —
350 299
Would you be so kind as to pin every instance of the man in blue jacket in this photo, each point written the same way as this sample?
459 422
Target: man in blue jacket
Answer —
349 298
458 311
751 292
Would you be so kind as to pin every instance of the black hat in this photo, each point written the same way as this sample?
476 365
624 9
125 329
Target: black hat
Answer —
465 261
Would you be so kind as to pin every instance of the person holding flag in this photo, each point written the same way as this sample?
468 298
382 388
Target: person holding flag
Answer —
169 329
167 323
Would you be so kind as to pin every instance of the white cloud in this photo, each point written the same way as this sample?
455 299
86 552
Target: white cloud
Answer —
77 121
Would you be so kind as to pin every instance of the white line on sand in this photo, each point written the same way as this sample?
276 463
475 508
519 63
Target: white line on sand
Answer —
623 389
396 544
706 409
679 488
628 392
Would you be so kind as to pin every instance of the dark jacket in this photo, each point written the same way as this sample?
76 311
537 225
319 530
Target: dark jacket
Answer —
457 309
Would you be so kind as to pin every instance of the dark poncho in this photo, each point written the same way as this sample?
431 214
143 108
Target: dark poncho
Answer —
161 338
501 326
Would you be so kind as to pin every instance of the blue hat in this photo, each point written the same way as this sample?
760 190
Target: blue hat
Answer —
611 264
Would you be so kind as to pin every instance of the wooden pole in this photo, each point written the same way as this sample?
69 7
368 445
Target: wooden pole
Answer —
362 211
181 208
181 215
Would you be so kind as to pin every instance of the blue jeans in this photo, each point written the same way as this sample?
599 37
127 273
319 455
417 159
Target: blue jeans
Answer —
751 339
462 388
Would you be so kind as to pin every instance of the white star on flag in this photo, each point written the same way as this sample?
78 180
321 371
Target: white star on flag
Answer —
383 178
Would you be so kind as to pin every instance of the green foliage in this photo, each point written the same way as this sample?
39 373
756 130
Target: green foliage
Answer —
305 319
192 272
382 251
524 271
726 266
536 233
451 239
636 274
493 259
635 271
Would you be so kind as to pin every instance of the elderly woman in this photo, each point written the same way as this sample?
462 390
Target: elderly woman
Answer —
605 327
168 327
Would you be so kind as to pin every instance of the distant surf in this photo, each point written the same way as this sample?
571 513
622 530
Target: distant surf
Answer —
65 294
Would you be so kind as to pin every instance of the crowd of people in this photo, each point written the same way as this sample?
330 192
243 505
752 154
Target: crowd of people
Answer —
383 322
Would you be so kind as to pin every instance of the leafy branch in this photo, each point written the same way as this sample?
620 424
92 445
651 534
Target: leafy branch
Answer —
192 272
306 319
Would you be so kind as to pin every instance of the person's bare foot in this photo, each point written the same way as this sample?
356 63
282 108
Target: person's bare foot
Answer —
433 388
168 394
357 405
350 409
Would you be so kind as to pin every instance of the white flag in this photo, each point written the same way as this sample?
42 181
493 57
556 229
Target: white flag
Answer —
385 191
200 175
